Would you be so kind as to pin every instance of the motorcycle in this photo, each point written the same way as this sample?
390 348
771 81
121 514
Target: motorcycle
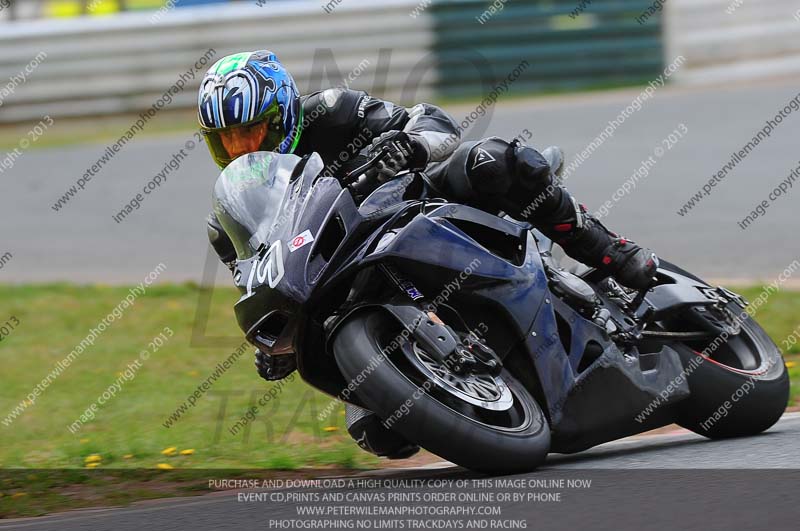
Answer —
461 331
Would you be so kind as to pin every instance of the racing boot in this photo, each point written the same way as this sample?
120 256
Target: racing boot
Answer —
581 236
588 241
366 428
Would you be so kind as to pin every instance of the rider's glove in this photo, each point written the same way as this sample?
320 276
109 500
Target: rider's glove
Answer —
403 151
273 368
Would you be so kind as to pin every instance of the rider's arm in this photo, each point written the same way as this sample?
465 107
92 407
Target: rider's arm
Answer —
436 127
425 122
358 112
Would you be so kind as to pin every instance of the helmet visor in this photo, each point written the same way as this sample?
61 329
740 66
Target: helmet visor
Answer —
264 134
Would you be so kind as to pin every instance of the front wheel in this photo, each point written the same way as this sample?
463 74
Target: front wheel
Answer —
485 423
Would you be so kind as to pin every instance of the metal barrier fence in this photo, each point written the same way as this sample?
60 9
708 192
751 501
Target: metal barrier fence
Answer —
733 40
571 44
30 9
127 62
405 50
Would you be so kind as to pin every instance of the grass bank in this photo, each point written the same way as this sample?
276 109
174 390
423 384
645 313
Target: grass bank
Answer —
144 435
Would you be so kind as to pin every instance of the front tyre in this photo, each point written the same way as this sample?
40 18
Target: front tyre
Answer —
471 421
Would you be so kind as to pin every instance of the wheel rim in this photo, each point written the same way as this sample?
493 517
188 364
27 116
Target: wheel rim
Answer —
519 416
739 353
485 391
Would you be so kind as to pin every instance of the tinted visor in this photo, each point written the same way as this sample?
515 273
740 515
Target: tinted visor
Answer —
264 134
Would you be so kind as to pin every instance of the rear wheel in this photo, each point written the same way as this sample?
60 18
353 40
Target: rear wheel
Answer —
482 422
738 381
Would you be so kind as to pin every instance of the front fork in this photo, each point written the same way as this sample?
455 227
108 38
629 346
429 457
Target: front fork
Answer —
460 353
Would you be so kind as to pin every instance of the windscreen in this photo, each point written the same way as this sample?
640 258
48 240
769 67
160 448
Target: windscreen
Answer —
249 195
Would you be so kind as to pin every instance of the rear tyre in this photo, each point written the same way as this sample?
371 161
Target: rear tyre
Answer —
741 388
729 402
508 433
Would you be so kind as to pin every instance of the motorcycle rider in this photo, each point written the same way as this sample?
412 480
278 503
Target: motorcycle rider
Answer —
249 102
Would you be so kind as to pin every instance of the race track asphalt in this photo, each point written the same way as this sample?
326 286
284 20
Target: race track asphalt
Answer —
656 482
83 243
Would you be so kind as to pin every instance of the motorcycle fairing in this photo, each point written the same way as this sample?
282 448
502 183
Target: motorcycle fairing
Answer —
592 403
585 408
432 244
249 196
270 271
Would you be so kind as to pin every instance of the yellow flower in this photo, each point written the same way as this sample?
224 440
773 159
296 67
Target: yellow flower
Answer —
193 373
169 451
84 441
790 364
127 456
164 466
190 451
92 465
94 458
19 494
330 428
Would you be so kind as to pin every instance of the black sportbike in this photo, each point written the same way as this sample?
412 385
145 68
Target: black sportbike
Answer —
461 331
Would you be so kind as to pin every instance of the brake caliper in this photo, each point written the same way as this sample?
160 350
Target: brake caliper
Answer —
460 353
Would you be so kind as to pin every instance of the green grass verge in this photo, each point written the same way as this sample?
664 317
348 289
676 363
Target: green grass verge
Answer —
127 434
38 492
780 317
97 129
128 430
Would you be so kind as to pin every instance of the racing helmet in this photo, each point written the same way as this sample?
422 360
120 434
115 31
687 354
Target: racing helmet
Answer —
249 102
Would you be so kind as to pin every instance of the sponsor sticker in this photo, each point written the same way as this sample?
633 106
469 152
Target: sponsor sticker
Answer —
300 240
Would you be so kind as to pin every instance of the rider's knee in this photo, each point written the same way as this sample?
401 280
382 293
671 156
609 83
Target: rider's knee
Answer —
531 169
479 170
496 172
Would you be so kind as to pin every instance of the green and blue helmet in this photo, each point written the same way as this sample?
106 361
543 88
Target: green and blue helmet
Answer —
249 102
